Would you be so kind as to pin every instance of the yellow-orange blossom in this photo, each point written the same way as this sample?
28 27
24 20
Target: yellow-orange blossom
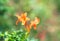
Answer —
23 18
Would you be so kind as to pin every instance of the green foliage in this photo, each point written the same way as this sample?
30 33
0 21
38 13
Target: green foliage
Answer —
57 2
6 11
14 36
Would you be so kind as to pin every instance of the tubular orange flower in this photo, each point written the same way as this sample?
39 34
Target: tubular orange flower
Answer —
24 18
35 22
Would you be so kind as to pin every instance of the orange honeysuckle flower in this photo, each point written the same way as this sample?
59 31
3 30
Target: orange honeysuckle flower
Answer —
35 22
22 18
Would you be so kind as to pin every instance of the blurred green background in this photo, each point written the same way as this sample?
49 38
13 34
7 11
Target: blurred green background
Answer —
47 10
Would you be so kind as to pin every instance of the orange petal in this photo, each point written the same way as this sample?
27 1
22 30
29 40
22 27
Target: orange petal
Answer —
17 16
34 26
24 15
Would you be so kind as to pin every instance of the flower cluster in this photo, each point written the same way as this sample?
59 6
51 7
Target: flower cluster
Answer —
27 22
